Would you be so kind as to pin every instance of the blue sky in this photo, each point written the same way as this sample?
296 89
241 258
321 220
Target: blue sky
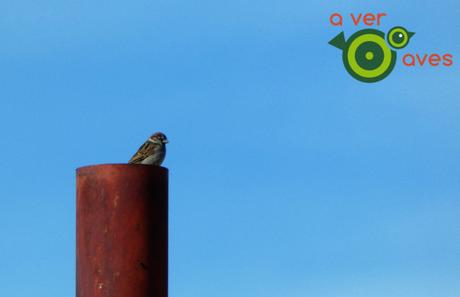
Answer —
288 178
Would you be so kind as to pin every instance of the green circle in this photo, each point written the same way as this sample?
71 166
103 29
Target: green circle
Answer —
354 56
368 49
398 37
375 70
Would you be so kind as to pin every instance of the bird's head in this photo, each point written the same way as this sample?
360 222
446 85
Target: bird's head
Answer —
159 137
398 37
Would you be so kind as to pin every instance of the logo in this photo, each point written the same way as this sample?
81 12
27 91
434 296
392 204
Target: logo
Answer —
370 56
367 56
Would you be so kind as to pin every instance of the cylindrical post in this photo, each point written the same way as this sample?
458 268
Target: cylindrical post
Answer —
122 231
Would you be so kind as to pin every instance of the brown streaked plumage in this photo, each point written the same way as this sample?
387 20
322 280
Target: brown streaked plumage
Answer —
152 152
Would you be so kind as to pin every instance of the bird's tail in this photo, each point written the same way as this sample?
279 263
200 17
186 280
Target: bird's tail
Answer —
338 41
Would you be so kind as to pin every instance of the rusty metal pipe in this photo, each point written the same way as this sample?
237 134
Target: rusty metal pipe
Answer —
122 231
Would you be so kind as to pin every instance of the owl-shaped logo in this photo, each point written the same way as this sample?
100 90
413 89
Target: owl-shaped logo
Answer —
366 55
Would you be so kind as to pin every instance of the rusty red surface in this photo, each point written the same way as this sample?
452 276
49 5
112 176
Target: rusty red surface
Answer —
122 231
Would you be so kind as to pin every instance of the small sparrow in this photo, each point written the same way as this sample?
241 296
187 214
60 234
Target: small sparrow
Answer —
152 152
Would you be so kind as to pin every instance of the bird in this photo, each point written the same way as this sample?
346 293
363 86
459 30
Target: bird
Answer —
152 152
366 56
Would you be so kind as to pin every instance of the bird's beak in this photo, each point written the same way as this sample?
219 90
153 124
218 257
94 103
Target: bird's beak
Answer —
165 141
411 34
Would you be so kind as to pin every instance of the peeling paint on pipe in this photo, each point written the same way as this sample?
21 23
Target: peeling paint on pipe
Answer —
122 231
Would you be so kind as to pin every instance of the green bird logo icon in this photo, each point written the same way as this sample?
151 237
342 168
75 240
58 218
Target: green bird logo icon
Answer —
366 55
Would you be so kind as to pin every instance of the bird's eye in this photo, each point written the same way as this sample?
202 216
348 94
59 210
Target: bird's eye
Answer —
397 37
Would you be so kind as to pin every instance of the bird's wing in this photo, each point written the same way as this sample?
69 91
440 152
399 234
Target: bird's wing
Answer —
143 152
